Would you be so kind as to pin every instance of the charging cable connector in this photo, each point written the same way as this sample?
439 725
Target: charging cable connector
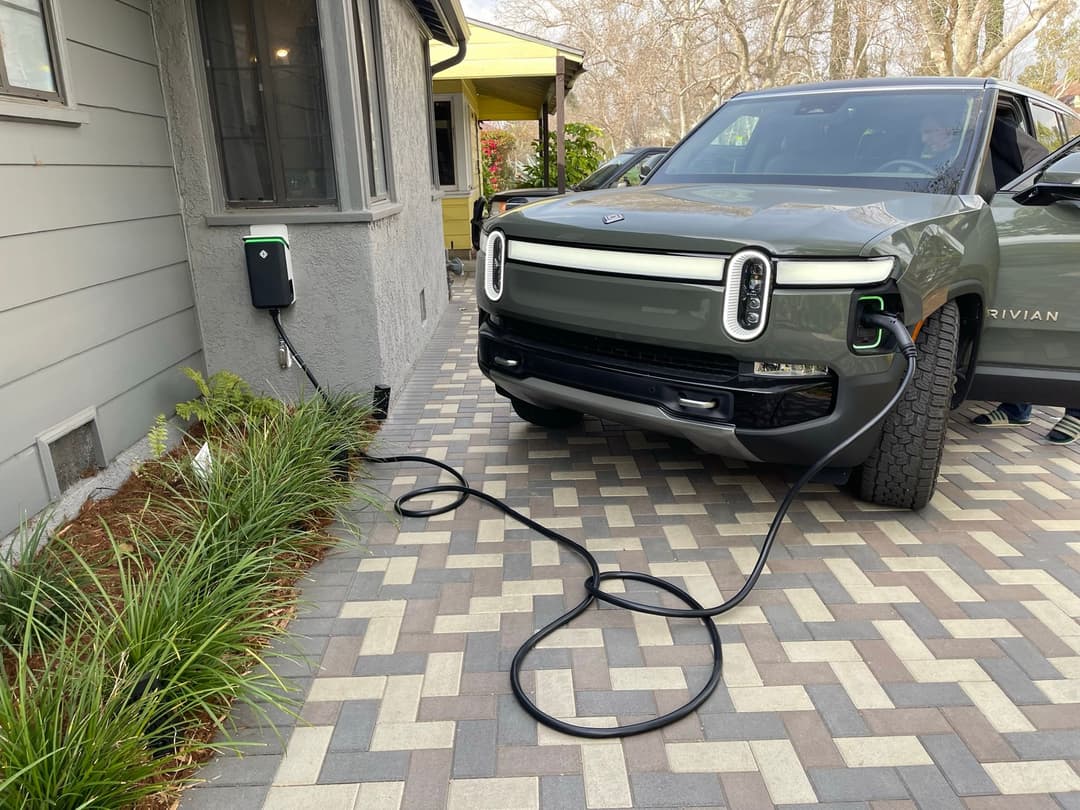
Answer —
895 327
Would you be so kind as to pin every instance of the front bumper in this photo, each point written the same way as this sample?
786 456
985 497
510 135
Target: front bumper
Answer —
707 398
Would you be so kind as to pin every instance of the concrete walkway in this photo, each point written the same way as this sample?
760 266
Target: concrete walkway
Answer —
886 660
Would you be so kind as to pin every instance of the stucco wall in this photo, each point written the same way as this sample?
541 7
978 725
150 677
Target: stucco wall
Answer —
407 249
357 315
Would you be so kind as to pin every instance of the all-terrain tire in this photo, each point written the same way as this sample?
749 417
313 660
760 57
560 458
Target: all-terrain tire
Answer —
903 468
545 417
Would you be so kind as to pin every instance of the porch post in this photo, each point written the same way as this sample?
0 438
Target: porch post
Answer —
560 121
544 142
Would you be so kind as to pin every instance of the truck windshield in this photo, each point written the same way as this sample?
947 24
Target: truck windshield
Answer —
895 138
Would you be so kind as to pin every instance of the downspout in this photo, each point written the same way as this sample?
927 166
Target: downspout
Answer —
456 59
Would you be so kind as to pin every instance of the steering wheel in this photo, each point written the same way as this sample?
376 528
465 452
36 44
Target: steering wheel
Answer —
922 167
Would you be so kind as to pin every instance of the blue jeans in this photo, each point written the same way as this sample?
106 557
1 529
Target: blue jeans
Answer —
1021 411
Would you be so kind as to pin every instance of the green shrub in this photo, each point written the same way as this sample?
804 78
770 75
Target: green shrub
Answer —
225 400
583 155
97 697
73 734
32 581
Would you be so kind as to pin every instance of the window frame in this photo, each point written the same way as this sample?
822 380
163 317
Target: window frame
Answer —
1034 105
462 144
368 34
273 144
52 42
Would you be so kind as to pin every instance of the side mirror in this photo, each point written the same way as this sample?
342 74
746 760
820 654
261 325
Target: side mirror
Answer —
1059 181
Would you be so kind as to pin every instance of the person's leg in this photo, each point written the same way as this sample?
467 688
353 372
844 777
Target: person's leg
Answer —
1007 414
1067 430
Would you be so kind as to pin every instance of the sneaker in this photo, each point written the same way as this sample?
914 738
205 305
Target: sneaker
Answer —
998 418
1066 431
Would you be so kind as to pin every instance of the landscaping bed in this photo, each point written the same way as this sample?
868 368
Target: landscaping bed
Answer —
127 636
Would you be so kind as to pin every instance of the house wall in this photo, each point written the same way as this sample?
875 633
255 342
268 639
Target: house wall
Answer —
97 310
358 275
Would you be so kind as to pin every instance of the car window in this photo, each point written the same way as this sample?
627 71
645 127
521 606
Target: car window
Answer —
1047 127
604 172
905 139
1072 126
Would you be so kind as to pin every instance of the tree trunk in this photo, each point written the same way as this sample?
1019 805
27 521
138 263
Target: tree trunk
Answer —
840 40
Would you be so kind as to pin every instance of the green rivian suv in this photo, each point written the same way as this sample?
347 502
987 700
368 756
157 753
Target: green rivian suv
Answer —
723 299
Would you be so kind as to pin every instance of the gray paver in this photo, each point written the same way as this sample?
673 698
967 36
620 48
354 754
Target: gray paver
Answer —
960 767
676 789
854 784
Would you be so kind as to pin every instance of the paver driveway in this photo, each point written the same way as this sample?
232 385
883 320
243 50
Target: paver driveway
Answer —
887 659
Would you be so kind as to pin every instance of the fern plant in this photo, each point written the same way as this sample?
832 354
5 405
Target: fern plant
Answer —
226 399
159 436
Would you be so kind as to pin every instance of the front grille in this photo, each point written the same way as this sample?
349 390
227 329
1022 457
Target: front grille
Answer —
702 365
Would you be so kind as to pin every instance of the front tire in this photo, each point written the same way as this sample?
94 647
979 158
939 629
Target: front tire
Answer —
545 417
902 471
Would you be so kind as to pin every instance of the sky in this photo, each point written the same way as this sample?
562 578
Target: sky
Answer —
480 10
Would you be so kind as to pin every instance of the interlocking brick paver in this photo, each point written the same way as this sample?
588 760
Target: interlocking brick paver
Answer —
887 660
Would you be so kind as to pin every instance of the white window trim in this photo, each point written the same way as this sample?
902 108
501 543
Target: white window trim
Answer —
338 40
66 112
462 145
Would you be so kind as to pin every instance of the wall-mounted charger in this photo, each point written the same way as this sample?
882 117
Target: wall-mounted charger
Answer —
269 267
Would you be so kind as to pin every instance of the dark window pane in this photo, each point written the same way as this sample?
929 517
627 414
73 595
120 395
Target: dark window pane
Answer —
303 129
1047 127
25 46
247 170
238 106
269 100
444 142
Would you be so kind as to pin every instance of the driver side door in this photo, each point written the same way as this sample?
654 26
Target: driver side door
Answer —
1030 345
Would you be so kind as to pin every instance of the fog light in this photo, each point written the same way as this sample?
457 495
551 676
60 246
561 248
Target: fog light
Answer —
790 370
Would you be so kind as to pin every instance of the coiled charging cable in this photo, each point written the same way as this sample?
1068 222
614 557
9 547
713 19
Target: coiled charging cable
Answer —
593 584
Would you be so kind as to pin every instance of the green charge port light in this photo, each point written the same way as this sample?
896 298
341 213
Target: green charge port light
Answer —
880 332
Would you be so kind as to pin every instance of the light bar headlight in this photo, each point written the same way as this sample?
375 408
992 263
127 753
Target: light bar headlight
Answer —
494 264
767 369
839 273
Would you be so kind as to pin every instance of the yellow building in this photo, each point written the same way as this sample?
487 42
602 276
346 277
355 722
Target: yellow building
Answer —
505 76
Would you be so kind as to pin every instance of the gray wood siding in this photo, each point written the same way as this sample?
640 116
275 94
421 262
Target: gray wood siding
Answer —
110 138
99 299
35 403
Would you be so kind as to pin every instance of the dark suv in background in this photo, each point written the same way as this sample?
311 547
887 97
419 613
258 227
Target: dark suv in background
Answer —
628 168
723 299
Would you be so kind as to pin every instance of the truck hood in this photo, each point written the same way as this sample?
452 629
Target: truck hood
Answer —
783 219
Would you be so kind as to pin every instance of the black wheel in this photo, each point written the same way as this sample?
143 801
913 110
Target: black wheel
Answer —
903 468
545 417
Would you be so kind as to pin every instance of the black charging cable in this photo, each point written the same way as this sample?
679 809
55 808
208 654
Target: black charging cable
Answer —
593 589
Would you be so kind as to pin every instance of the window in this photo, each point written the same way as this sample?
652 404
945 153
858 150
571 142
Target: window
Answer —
28 67
268 97
371 84
1047 127
1072 126
444 142
849 138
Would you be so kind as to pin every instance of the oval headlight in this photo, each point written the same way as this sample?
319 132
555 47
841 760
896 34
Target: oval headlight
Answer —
494 265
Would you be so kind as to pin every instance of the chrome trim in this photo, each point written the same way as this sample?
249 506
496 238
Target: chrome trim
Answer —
666 266
840 273
698 404
732 294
